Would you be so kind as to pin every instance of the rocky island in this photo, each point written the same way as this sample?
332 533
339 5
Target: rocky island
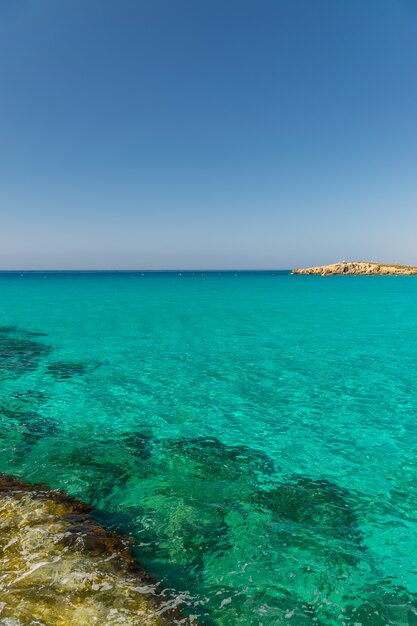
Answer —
362 268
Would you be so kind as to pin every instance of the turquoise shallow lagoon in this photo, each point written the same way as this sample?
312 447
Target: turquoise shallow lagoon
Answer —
256 433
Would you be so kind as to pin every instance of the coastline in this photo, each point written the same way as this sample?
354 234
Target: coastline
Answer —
60 566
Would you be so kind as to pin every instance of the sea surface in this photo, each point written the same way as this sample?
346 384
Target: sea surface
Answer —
255 433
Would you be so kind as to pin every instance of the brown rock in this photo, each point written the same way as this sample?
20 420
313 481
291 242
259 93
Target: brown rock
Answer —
59 567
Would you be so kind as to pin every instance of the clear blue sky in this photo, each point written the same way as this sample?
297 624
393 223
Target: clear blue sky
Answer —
207 133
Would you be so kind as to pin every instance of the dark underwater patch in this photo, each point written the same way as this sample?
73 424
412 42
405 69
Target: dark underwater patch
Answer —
18 353
21 331
313 502
8 329
31 426
65 370
383 606
317 518
194 484
103 467
140 443
217 460
30 396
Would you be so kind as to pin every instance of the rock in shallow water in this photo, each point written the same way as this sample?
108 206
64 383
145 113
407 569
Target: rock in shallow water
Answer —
314 503
58 567
19 354
217 460
64 371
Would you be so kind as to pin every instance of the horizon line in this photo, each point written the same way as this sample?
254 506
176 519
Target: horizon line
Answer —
51 271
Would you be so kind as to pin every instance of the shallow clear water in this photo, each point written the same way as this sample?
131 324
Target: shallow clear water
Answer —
256 433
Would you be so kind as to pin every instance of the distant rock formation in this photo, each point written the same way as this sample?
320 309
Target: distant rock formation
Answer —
360 268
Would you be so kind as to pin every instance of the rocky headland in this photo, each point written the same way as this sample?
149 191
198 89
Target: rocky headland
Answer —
59 567
358 268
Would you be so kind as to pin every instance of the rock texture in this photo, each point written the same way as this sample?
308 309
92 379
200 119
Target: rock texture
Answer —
58 567
360 268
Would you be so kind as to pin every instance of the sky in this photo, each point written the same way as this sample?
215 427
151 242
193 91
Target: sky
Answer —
188 134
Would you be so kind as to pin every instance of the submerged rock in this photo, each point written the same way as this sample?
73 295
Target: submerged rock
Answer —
316 517
64 370
30 396
18 352
140 443
313 502
183 502
21 331
30 426
219 461
59 567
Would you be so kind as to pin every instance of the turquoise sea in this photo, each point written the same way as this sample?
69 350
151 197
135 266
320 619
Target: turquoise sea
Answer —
255 433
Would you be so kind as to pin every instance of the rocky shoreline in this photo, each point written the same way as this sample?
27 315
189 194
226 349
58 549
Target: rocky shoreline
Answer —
59 567
358 268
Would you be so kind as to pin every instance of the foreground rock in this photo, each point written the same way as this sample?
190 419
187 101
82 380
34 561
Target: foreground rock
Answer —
360 268
58 567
